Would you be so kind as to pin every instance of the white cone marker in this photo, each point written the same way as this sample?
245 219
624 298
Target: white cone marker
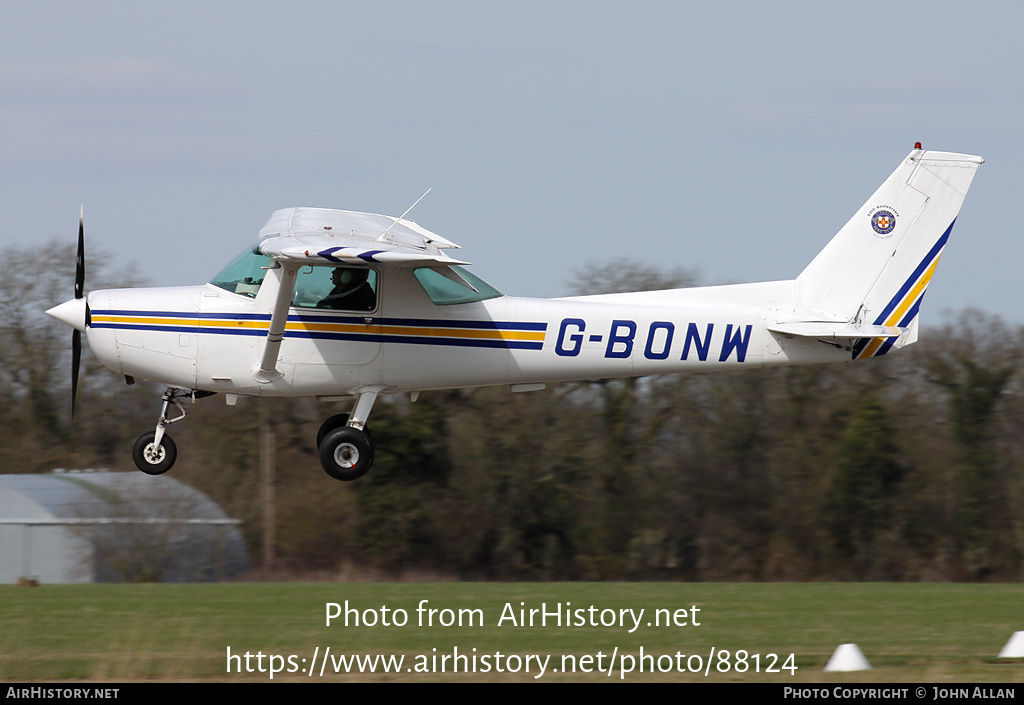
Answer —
848 657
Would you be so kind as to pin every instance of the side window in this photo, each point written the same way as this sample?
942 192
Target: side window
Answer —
336 288
453 285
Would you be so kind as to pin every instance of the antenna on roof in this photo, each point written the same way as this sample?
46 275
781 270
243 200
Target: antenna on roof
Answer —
383 234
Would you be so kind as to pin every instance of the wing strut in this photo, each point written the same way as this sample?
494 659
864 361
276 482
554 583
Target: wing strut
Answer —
267 370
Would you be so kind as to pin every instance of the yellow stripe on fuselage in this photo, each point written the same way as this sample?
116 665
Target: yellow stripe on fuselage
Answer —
325 327
170 322
465 333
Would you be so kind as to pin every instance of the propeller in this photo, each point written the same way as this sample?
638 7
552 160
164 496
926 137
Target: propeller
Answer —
76 335
75 312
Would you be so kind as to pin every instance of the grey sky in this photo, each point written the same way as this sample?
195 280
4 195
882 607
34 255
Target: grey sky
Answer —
731 137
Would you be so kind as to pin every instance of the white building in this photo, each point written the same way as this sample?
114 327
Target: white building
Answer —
81 527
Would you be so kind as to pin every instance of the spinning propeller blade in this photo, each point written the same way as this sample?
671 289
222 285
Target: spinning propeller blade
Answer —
76 358
76 335
80 258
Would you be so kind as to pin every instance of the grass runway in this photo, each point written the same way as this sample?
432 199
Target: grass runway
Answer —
910 632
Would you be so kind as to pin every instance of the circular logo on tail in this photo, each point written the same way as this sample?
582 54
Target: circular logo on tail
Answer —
883 221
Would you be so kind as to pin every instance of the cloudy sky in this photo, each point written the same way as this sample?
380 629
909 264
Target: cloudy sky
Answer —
732 137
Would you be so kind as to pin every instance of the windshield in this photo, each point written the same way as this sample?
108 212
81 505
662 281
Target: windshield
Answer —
244 274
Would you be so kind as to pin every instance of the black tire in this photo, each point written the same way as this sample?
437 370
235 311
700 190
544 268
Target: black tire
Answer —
336 421
346 453
164 459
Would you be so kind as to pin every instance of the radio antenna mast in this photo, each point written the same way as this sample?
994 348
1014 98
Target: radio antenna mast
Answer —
384 234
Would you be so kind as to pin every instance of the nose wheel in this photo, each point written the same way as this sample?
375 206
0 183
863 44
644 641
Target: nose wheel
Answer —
154 453
151 458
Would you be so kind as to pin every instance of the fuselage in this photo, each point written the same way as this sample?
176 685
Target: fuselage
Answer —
205 337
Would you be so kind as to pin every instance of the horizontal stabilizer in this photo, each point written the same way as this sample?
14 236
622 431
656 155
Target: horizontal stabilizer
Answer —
830 329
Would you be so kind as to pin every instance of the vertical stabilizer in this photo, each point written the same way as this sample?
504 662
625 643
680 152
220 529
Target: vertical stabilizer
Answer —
876 269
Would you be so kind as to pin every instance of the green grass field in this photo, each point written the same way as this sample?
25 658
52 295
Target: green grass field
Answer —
909 632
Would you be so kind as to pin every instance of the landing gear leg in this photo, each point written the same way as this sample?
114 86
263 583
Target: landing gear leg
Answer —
346 452
154 453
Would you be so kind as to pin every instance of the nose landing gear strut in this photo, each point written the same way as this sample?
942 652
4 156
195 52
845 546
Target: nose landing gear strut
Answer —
154 453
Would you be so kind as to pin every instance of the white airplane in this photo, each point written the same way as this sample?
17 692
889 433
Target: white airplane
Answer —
337 304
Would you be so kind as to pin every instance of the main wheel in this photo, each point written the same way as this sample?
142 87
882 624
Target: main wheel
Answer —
346 453
336 421
154 460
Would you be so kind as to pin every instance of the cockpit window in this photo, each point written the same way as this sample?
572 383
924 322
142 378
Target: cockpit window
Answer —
244 274
336 288
453 285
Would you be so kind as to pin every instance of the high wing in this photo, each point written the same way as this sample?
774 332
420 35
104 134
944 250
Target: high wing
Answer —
294 237
325 237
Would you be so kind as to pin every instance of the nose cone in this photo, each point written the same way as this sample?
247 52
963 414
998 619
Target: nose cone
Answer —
72 312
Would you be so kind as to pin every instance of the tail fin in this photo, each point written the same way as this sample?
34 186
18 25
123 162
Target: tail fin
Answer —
876 269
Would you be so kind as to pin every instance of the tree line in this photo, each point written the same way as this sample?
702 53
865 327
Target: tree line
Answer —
907 467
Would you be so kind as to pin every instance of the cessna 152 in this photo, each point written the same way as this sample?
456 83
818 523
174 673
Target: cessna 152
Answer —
338 304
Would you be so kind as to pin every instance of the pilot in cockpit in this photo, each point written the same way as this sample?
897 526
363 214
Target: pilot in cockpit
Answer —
352 291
